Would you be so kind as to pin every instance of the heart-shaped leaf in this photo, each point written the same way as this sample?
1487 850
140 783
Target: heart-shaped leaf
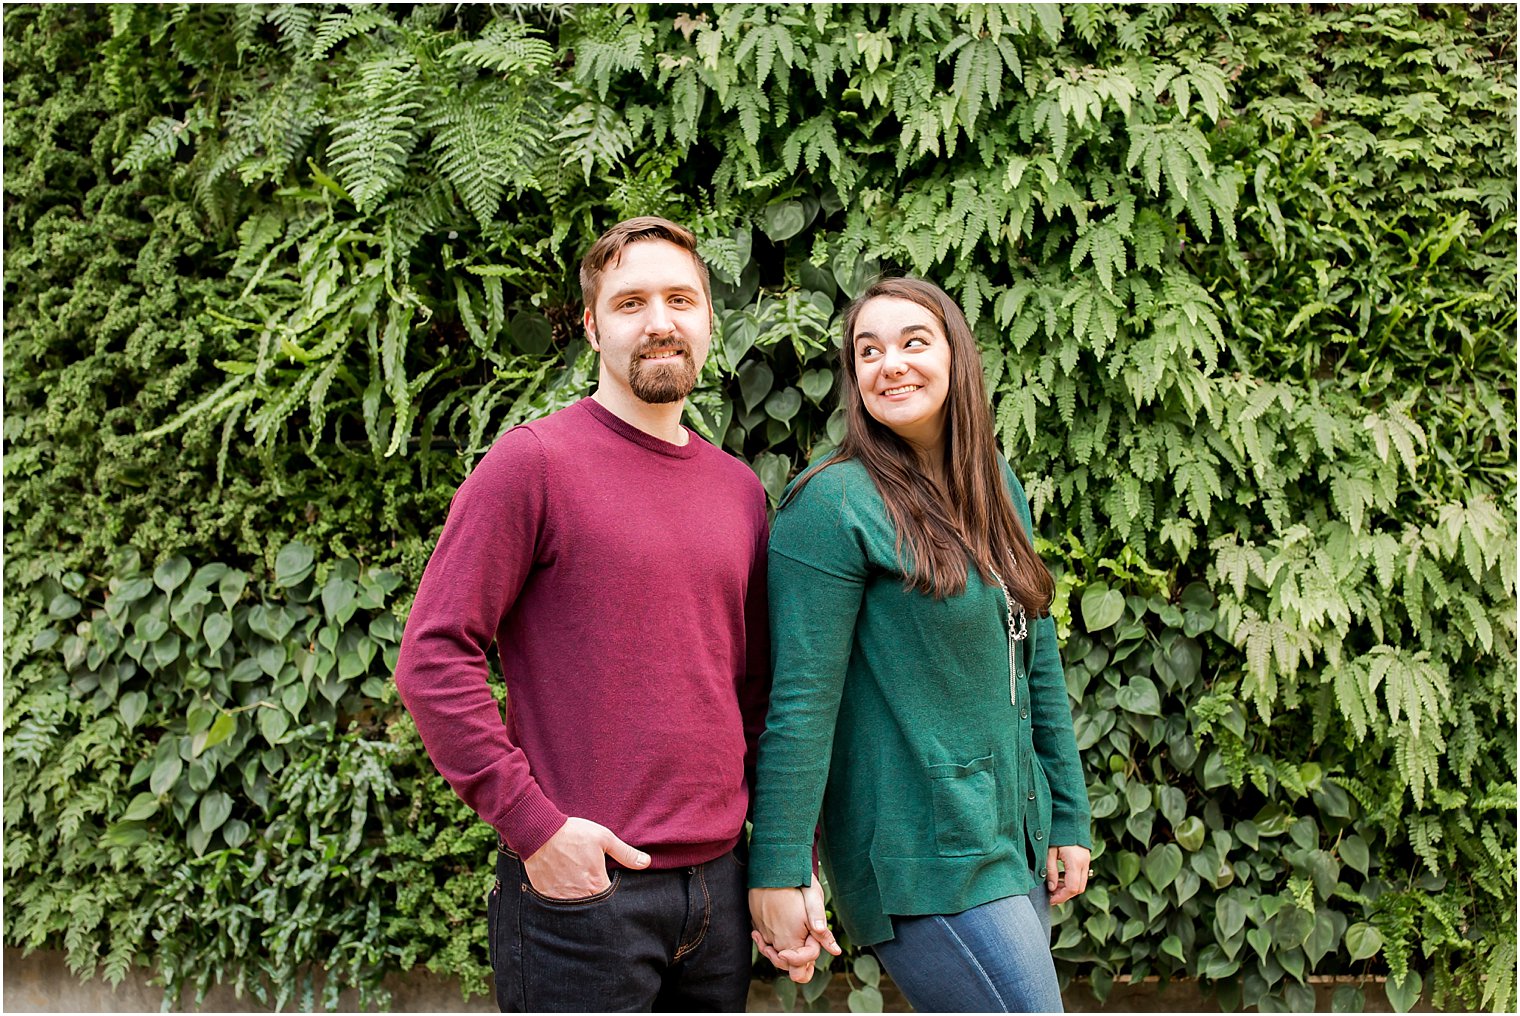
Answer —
165 774
1101 607
292 564
169 575
772 470
1139 696
783 220
783 405
235 832
132 706
273 723
230 588
755 381
216 630
531 332
215 809
1404 993
1363 941
1163 864
1353 850
1190 833
817 383
143 806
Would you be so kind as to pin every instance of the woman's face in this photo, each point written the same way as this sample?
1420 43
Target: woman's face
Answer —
902 363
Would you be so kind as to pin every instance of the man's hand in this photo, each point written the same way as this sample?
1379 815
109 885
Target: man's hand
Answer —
790 928
781 926
1072 881
572 864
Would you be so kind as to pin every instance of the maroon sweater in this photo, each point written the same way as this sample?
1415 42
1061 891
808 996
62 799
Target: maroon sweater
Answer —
622 580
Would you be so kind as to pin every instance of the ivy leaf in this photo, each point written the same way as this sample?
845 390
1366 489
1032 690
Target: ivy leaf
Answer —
165 774
169 575
215 809
1353 850
132 706
754 383
1140 695
292 564
273 723
1163 864
1190 833
1101 607
783 221
338 598
216 629
816 384
1363 941
1404 992
783 405
143 806
772 470
230 588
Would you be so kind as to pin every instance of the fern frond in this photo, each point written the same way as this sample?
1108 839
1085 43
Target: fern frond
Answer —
372 144
506 47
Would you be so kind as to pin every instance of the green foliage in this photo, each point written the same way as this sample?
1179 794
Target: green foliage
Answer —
1244 281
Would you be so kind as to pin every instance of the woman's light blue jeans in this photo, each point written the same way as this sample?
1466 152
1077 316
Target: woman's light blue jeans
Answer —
991 958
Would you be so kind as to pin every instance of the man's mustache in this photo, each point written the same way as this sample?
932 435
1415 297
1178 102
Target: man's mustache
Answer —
650 345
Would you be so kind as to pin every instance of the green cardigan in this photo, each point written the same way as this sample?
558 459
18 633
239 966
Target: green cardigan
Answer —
891 710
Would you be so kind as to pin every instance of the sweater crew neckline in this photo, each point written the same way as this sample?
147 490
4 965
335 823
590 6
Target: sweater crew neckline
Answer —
623 428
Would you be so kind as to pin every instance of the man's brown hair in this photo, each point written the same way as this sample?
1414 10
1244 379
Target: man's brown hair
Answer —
608 249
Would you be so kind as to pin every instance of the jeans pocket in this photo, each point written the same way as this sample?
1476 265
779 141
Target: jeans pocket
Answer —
613 879
965 807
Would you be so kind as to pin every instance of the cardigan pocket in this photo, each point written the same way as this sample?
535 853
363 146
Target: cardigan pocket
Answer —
965 807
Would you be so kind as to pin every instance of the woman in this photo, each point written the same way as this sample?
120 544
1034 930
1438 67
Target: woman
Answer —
918 696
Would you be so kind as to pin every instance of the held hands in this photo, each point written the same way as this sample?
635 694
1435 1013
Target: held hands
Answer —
790 928
1063 885
572 864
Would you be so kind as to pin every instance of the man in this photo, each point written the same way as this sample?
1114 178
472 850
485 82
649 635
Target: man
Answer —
617 561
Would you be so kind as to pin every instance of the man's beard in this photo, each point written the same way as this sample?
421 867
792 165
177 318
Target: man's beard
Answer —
661 384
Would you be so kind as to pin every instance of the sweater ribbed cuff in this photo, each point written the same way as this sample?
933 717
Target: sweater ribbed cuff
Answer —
780 865
1070 832
530 823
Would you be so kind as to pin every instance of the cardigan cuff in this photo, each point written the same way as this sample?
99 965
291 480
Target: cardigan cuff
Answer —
780 865
1070 832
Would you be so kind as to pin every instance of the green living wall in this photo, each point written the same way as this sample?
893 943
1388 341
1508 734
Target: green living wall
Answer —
1244 278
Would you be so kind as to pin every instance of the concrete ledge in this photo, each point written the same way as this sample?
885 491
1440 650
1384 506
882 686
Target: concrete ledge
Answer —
41 982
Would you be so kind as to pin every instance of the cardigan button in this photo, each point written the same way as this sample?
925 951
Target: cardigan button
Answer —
1024 713
1042 872
1031 795
1039 835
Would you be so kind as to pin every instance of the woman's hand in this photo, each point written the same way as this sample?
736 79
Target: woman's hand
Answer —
790 928
1072 879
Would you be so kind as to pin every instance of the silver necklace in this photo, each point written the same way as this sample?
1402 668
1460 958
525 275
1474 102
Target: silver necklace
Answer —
1018 630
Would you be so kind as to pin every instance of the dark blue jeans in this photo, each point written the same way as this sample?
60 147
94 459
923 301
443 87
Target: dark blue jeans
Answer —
671 940
991 958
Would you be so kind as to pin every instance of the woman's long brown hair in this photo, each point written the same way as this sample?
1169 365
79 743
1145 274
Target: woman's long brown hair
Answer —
975 514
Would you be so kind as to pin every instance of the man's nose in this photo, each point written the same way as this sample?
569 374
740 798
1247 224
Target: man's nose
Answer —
658 321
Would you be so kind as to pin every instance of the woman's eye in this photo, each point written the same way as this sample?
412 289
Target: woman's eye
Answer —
915 341
868 351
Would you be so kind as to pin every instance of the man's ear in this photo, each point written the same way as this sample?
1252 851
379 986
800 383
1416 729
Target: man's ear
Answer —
588 321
